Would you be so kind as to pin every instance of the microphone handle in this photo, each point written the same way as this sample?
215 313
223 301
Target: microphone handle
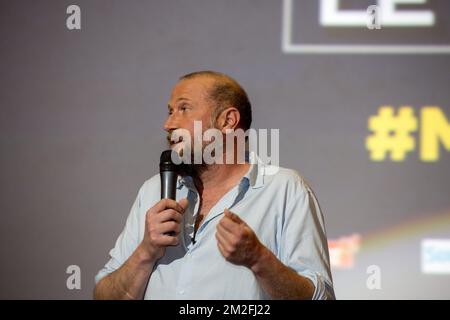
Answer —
168 184
168 187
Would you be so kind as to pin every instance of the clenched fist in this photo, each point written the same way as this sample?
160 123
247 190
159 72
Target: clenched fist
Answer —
236 241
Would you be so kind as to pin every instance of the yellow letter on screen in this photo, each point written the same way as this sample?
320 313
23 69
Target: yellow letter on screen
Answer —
435 128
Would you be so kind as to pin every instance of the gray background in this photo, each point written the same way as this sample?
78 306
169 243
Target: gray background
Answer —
82 114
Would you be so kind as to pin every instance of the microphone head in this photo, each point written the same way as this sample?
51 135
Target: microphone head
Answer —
165 161
166 156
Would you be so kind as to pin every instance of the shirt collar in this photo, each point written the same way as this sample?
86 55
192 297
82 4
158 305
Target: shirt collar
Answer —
255 174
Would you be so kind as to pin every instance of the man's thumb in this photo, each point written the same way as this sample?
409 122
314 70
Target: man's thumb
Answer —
232 215
184 203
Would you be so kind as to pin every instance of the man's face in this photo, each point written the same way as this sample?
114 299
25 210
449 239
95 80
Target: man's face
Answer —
188 103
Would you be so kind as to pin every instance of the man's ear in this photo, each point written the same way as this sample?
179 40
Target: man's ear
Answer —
229 119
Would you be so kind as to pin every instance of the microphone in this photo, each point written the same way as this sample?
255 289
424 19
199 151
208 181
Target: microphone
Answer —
168 175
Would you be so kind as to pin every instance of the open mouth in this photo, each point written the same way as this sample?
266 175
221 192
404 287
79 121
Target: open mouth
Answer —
174 143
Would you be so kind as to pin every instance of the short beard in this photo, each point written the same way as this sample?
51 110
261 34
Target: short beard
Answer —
192 170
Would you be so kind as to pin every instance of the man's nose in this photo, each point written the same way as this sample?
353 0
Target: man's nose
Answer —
170 124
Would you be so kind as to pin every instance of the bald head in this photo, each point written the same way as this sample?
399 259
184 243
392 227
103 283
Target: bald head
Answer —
225 92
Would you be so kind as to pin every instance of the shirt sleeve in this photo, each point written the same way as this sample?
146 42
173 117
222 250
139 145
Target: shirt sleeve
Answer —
126 243
304 245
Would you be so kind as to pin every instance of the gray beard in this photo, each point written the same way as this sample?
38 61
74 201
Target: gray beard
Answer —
191 169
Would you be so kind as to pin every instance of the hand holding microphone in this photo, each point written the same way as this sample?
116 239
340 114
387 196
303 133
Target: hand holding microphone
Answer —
162 223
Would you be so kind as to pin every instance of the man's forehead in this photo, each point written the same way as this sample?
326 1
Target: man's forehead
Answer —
191 88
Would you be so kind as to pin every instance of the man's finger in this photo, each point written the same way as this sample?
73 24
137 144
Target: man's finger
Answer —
184 203
169 227
168 215
222 242
222 249
230 225
227 235
232 216
166 240
168 204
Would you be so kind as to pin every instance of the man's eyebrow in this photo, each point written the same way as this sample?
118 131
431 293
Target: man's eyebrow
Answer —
183 98
179 99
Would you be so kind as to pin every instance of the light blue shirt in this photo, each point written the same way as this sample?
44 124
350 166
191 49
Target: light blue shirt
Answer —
280 208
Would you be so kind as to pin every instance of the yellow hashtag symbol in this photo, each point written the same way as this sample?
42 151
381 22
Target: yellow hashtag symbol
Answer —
391 133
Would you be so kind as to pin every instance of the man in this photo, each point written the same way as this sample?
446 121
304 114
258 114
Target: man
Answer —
235 232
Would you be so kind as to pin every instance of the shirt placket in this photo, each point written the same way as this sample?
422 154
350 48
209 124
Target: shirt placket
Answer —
228 201
188 264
